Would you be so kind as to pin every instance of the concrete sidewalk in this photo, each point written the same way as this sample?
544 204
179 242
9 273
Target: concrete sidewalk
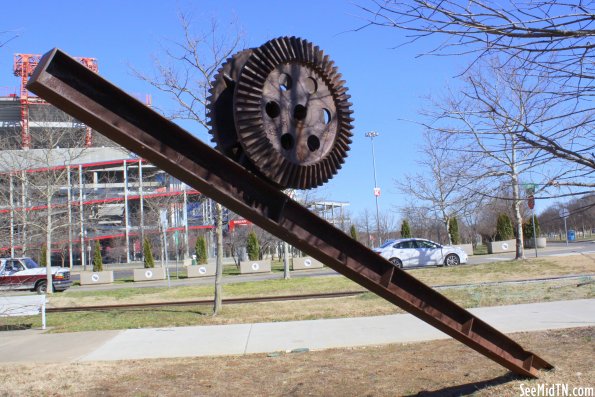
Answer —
238 339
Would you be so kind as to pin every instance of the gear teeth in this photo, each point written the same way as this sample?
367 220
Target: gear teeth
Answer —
235 113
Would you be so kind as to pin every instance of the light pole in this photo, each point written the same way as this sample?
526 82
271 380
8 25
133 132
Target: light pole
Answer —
372 135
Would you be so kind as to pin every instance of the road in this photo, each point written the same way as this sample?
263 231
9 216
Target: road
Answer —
124 271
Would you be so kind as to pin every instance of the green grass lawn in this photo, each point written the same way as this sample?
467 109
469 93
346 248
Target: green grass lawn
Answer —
363 305
508 270
367 304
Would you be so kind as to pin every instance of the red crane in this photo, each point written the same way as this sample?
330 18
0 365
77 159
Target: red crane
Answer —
24 65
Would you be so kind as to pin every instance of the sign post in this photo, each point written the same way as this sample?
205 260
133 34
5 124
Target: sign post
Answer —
564 213
530 190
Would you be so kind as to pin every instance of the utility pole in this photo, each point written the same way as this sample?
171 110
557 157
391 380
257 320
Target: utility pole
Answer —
372 135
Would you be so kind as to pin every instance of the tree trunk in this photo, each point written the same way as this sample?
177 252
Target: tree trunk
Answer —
217 304
48 246
446 220
25 219
518 219
286 275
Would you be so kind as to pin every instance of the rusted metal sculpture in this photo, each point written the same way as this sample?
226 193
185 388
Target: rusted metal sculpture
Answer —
282 110
71 87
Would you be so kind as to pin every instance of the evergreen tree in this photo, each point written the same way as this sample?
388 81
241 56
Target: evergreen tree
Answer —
148 254
353 232
252 247
405 230
528 228
97 261
44 256
453 230
504 229
201 250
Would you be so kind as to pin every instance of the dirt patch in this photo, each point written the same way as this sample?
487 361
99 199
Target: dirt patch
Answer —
441 368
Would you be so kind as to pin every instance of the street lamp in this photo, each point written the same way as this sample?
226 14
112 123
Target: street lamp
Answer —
372 135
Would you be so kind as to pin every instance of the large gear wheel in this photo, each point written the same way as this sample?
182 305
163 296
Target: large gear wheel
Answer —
291 114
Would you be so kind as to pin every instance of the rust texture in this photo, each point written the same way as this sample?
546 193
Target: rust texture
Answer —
282 111
86 96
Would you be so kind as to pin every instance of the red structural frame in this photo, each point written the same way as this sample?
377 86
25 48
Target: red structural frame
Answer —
23 67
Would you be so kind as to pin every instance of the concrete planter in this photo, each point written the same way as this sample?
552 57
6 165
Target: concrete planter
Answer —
496 247
259 266
541 242
468 248
306 263
155 273
90 278
203 270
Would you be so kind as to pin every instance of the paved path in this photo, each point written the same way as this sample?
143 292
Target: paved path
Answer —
238 339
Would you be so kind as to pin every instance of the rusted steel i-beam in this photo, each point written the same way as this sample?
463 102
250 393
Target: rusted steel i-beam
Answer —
85 95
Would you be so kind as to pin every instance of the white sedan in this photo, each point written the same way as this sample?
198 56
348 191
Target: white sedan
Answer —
419 252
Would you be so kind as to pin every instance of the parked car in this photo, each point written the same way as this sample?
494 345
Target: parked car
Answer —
26 274
420 252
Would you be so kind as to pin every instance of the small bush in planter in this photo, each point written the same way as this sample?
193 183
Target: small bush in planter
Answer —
97 261
353 232
148 254
252 247
44 256
405 230
201 250
453 230
528 228
504 230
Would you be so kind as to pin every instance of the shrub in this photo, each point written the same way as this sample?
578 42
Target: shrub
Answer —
353 232
148 254
252 247
504 229
405 230
528 228
201 250
43 256
453 230
97 261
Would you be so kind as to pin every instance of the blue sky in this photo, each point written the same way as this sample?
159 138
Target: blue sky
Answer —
387 84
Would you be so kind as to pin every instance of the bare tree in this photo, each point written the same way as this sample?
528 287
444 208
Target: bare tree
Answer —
444 188
389 226
185 73
543 38
495 106
365 226
423 222
581 217
188 68
6 36
38 180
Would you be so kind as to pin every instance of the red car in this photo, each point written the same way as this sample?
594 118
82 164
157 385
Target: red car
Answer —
26 274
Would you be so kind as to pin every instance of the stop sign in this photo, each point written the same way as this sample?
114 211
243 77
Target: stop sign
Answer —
531 202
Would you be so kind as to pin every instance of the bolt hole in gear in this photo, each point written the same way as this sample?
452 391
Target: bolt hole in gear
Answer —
282 111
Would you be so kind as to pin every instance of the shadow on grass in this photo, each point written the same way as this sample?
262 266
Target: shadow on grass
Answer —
467 388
